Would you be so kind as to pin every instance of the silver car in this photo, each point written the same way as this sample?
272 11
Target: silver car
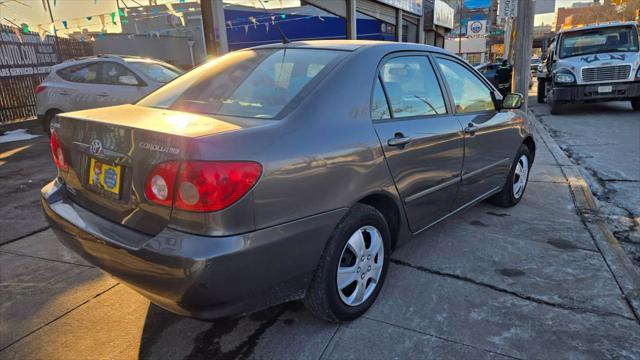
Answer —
99 81
283 172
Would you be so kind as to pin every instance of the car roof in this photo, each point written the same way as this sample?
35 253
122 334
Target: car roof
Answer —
353 45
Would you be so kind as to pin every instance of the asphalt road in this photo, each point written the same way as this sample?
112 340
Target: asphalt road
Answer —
604 140
526 282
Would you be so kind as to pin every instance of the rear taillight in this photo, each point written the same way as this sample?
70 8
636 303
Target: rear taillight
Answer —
159 187
39 89
201 186
58 152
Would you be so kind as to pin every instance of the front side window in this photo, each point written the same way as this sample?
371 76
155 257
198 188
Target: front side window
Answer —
84 73
156 71
116 74
412 87
470 94
251 83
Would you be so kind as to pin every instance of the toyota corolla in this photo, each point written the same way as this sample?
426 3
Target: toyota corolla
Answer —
282 172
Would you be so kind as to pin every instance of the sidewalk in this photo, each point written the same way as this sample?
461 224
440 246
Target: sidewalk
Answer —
534 281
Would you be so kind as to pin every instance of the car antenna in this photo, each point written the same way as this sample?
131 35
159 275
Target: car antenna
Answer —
285 39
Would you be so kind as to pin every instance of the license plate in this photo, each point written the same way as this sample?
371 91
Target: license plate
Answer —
105 176
605 89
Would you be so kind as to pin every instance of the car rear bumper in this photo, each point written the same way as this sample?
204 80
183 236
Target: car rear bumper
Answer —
619 91
198 276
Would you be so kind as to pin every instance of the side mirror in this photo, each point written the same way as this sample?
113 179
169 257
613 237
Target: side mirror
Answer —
512 101
128 80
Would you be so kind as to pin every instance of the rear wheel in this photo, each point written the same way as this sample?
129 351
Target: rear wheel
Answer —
513 189
353 266
635 104
541 91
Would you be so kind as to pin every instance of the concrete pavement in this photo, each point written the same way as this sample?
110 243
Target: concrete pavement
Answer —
603 139
526 282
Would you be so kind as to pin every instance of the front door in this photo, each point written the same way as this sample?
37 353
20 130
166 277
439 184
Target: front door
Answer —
489 134
119 85
421 139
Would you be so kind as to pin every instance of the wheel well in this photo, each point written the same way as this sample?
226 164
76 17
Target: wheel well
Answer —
389 209
528 142
52 111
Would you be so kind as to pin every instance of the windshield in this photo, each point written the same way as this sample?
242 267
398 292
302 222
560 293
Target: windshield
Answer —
156 71
251 83
585 42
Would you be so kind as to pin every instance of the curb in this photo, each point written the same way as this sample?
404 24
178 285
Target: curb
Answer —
624 272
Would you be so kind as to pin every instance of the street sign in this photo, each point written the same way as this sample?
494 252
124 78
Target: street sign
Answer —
476 27
443 14
508 8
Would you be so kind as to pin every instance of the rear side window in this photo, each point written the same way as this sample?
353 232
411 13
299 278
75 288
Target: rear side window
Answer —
251 83
379 106
412 87
83 73
470 94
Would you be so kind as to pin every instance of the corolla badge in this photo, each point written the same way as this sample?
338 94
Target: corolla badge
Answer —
96 147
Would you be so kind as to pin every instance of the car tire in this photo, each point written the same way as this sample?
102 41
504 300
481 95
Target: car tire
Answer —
46 120
556 107
541 91
324 298
516 184
635 104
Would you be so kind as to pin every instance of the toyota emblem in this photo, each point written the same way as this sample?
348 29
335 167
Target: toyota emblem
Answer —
96 147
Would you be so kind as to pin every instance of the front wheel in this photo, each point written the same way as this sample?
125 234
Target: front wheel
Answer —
635 104
513 189
353 266
556 107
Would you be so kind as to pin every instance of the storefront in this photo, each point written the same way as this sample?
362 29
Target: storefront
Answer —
439 20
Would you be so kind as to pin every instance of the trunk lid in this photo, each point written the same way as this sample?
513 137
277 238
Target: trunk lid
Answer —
111 151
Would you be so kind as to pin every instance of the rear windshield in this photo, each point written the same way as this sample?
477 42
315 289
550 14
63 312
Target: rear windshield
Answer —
595 41
252 83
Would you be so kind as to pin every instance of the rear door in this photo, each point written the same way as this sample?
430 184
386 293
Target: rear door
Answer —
490 135
421 139
81 86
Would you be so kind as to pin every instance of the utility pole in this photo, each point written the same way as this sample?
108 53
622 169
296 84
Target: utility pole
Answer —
352 32
212 18
55 32
460 7
522 45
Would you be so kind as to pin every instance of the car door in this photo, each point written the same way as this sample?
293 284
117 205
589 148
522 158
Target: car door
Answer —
422 141
489 133
81 87
120 85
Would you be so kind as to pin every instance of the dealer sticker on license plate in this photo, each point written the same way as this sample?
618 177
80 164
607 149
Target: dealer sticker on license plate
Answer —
104 176
605 89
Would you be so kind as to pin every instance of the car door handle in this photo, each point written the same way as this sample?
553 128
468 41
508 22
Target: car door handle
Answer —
103 94
63 93
399 140
471 129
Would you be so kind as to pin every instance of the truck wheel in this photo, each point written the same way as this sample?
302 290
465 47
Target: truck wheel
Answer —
635 104
556 107
541 91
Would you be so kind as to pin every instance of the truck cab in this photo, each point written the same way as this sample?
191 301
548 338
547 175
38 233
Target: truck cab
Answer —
592 63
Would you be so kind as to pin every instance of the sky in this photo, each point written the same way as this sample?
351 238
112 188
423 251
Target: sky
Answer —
75 12
33 12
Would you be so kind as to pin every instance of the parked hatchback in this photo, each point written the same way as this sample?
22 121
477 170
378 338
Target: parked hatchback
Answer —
283 172
99 81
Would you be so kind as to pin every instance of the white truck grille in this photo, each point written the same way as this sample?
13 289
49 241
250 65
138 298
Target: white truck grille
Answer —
606 73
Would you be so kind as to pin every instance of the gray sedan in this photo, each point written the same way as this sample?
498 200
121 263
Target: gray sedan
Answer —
283 172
